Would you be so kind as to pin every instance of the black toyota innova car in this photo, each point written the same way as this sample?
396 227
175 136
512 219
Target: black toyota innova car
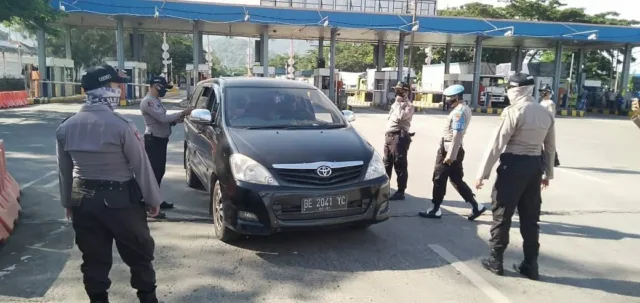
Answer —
278 155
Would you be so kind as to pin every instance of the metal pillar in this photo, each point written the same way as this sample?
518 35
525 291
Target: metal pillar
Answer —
579 72
558 73
42 59
332 65
381 49
196 58
320 49
413 36
519 59
201 49
120 42
626 66
447 58
67 42
264 43
135 45
475 91
400 56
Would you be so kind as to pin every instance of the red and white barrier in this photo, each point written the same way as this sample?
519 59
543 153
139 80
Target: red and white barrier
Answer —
13 99
9 198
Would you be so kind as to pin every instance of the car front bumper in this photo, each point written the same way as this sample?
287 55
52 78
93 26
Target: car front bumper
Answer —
262 210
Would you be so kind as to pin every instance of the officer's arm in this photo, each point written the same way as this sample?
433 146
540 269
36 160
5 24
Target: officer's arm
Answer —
457 125
65 172
501 138
406 111
155 111
134 151
549 152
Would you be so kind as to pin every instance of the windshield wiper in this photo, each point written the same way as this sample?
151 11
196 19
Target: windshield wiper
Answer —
304 126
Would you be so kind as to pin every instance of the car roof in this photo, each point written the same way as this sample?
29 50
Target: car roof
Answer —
263 82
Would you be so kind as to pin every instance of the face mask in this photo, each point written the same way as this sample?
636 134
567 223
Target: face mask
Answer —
162 92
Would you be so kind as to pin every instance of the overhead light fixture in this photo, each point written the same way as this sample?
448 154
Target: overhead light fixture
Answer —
416 27
324 21
156 14
61 7
510 30
593 36
508 34
246 17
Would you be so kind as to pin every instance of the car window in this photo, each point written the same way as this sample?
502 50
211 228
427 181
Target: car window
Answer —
274 107
203 100
195 96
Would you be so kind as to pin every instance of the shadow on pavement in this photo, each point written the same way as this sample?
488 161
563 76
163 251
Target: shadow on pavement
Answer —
620 287
605 170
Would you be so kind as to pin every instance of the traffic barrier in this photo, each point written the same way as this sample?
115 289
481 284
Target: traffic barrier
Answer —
13 99
9 198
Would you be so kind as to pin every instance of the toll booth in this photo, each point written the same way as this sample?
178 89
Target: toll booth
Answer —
258 70
137 72
204 72
383 83
322 80
59 71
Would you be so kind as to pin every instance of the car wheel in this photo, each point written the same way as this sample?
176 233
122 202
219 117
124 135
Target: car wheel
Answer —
222 232
191 177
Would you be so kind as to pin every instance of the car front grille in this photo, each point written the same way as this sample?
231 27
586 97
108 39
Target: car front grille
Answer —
290 210
338 176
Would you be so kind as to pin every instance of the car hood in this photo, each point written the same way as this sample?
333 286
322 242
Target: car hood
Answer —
301 146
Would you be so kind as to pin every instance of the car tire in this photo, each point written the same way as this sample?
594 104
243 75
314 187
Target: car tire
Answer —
222 232
191 177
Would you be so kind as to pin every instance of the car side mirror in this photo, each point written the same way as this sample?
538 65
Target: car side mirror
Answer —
349 115
201 116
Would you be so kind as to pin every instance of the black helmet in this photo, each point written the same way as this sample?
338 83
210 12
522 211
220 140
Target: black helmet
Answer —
546 88
520 79
402 85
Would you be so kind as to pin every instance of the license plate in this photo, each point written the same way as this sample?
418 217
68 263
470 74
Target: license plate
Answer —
327 203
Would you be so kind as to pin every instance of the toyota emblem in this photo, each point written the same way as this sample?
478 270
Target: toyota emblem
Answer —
324 171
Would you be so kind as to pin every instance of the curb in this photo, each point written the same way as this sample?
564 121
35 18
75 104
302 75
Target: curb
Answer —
46 100
561 112
610 112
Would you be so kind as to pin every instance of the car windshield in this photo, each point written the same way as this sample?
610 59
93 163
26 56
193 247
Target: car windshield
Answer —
279 108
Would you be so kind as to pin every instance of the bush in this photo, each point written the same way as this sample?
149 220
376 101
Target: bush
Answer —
11 84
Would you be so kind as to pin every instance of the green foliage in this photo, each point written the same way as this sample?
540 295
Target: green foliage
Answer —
30 14
11 84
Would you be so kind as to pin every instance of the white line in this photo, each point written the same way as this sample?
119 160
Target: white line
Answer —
54 182
583 175
36 180
478 281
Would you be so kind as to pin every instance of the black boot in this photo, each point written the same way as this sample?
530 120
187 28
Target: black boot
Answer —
398 195
433 213
166 205
494 263
476 212
147 297
99 298
528 267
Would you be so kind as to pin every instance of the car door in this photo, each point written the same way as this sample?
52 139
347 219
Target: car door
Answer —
212 132
197 145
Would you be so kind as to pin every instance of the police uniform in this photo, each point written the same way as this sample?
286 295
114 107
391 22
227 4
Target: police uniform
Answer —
157 130
104 173
524 138
397 141
550 106
451 149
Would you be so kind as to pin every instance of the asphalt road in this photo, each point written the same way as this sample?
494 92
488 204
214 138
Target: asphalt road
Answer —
589 230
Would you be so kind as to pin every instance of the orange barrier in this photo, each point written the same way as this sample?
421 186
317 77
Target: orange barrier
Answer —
9 198
13 99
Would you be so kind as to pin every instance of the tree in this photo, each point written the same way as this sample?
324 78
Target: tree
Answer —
30 14
89 47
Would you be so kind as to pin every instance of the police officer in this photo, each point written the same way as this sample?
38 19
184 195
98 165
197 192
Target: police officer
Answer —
450 156
546 92
158 128
525 137
398 138
104 173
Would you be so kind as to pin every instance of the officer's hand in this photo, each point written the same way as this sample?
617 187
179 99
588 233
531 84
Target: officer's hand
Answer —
153 211
479 184
447 161
68 213
544 184
187 112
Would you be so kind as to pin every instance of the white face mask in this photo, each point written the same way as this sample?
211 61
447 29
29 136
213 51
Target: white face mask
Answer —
515 94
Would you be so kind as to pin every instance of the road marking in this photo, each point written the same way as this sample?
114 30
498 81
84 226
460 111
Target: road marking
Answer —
478 281
583 175
54 182
36 180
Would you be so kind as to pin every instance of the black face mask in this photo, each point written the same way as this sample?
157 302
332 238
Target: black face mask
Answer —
451 100
161 91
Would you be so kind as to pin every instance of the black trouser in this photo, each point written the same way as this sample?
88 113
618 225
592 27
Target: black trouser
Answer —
396 146
105 211
452 172
517 186
156 149
557 162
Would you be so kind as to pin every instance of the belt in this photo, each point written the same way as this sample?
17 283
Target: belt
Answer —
103 185
155 137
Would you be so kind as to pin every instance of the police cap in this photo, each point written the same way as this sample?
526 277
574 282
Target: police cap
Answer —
402 85
520 79
160 80
98 76
546 88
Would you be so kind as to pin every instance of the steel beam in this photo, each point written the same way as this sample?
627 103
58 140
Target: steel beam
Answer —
264 51
626 66
558 73
332 65
401 57
475 91
120 42
42 59
447 58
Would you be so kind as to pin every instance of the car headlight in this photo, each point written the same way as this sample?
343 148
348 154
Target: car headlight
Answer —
376 167
248 170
